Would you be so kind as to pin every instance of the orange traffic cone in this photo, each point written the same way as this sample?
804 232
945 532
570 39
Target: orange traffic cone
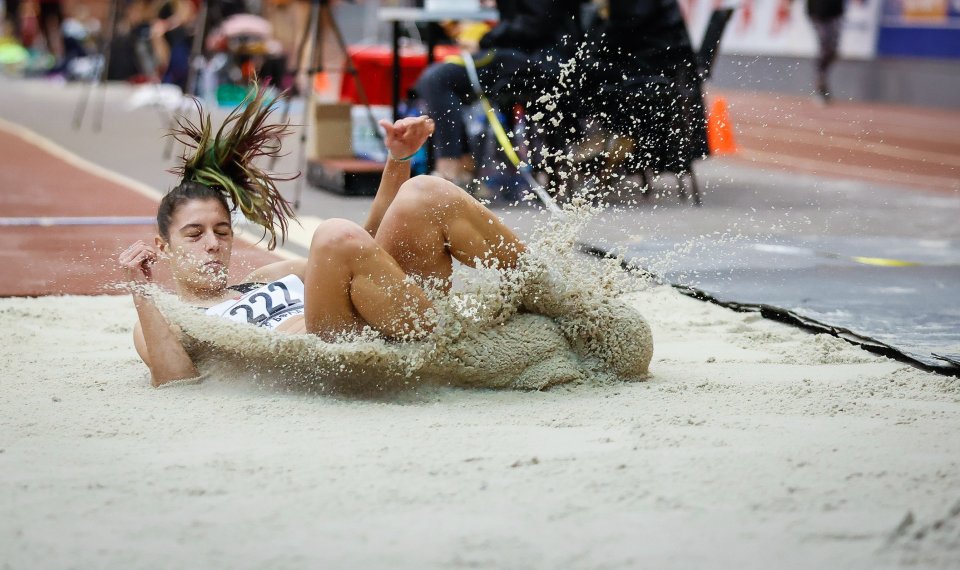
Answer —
719 129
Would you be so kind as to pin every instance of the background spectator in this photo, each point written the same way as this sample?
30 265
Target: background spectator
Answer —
827 19
521 54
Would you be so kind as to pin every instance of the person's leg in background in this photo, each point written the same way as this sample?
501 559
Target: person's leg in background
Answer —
828 38
444 89
11 17
178 65
51 19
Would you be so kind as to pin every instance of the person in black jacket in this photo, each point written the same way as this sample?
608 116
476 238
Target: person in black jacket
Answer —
520 55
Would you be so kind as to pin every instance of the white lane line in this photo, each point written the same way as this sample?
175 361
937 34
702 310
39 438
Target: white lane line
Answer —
807 252
51 221
73 159
843 170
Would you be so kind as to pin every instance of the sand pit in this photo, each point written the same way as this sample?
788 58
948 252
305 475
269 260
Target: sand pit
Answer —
752 445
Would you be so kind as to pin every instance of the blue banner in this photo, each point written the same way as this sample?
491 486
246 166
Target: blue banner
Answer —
920 28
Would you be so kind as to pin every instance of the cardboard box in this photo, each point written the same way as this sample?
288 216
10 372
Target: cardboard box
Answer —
331 131
350 177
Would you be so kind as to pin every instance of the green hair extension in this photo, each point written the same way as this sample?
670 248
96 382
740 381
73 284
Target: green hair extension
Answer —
226 161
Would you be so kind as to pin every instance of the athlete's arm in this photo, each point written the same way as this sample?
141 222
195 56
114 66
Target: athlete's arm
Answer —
156 341
402 139
159 346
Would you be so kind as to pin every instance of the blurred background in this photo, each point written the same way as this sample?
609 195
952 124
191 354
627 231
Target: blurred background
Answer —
798 154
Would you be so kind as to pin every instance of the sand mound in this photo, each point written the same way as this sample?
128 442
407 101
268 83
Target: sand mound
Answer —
604 328
570 334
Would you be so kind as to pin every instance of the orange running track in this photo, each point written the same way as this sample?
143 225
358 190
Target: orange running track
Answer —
38 257
898 145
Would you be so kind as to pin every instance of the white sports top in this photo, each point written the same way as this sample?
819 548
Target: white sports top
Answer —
265 305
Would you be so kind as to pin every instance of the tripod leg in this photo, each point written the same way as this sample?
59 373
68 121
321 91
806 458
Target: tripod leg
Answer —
81 108
168 147
98 116
312 48
101 77
694 187
196 50
98 110
681 187
310 31
352 70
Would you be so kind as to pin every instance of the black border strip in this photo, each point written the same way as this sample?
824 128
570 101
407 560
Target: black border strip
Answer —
952 367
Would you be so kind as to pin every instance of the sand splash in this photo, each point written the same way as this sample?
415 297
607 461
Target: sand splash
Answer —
556 319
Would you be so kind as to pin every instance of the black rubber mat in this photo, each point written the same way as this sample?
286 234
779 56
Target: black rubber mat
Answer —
893 296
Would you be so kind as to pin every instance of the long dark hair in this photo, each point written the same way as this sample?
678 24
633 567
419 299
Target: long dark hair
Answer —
184 192
222 166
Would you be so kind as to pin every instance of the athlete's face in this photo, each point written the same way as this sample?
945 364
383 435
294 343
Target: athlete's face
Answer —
201 240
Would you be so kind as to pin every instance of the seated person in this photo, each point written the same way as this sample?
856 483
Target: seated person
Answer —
133 46
172 34
642 81
521 54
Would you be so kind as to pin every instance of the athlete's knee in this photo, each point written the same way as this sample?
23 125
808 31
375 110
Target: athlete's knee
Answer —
428 193
336 237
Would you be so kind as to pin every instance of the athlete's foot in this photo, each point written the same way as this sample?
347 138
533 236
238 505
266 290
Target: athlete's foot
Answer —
596 326
822 95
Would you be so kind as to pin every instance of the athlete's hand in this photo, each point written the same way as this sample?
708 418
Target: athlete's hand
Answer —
137 261
405 136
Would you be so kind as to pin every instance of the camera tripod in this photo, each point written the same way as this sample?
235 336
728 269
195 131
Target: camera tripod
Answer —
100 76
310 50
195 62
97 82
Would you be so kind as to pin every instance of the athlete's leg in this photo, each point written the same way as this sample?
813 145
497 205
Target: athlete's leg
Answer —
444 88
432 221
351 281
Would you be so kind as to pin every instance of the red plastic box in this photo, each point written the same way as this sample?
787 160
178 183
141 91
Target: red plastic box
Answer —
375 67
